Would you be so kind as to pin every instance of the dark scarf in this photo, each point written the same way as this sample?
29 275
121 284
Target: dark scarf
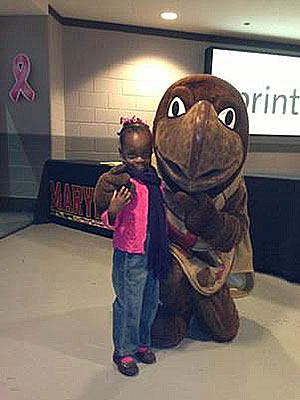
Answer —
157 221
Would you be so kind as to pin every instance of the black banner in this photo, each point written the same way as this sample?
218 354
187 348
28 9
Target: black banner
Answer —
66 194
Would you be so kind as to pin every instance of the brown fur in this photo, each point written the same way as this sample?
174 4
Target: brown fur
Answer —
199 156
106 184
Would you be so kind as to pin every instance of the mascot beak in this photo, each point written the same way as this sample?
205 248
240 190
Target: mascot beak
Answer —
204 150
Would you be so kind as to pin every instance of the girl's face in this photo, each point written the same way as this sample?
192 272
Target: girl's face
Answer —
137 149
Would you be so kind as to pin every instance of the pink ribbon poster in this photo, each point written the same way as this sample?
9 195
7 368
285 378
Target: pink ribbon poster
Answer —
21 71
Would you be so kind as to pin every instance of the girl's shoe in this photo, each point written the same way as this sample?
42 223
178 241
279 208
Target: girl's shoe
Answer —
126 365
145 355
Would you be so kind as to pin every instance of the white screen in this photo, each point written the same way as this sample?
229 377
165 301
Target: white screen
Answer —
270 87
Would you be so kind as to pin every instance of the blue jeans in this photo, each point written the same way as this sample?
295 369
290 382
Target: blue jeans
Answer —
136 302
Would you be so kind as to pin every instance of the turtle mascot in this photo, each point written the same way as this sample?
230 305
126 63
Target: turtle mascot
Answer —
200 133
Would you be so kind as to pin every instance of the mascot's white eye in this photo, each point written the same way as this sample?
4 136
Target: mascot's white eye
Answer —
228 117
176 107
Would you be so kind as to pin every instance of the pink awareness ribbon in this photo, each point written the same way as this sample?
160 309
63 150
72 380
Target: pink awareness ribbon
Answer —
21 71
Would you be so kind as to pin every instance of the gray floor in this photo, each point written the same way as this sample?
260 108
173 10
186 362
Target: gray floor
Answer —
55 341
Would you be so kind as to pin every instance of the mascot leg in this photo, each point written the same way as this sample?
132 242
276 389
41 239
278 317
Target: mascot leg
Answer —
172 320
169 328
217 314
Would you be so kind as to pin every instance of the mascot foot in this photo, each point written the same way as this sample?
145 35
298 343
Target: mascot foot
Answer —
168 330
217 314
240 284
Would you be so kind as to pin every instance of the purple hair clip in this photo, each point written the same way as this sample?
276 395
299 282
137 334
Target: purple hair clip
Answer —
131 121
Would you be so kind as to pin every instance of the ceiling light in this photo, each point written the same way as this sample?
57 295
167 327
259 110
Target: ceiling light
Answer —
169 15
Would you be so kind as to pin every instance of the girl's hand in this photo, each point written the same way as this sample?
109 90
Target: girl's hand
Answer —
119 200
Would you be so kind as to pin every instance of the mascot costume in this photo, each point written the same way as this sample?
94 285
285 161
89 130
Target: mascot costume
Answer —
200 133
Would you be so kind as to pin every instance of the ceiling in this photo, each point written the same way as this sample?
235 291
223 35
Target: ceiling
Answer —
268 20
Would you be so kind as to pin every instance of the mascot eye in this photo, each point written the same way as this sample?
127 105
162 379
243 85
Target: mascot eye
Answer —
228 117
176 108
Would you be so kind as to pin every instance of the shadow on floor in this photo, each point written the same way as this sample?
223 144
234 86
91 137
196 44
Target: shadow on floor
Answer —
86 334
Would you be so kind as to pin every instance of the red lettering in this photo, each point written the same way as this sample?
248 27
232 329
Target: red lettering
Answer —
88 194
56 195
67 198
77 199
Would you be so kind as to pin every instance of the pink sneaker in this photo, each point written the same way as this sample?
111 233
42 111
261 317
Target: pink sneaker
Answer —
126 365
145 355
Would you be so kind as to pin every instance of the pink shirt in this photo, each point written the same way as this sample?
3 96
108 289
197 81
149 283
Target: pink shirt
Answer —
130 227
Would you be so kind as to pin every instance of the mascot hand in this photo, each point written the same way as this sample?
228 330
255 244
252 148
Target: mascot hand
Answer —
105 187
110 182
200 214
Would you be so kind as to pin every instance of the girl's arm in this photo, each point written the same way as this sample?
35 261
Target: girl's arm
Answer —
119 200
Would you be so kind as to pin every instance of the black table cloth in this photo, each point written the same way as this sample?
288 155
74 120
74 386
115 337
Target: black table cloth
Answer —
66 197
274 211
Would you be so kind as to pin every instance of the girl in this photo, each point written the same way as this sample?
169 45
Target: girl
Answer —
138 218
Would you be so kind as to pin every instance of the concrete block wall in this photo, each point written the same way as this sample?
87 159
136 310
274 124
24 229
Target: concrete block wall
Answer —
113 74
56 89
26 155
110 74
85 80
24 125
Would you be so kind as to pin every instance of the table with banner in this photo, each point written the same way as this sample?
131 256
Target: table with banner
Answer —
66 196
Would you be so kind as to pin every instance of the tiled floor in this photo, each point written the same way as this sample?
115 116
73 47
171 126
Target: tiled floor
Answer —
55 340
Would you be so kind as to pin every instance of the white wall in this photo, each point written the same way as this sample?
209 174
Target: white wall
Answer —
24 126
109 74
57 93
85 79
114 74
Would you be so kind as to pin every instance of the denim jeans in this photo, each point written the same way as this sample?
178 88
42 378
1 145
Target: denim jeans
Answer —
136 302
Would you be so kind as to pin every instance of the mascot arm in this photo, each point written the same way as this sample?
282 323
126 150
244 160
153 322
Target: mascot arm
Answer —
235 224
106 185
222 229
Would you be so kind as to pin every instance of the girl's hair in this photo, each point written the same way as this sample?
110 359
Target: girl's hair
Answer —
133 124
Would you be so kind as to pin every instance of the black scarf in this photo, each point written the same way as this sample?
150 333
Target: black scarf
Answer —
157 222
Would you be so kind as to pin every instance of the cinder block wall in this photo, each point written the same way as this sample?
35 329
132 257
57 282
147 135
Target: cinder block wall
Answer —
24 126
85 80
30 132
112 74
57 90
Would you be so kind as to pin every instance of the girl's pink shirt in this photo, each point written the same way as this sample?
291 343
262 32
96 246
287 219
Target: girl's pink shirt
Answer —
130 227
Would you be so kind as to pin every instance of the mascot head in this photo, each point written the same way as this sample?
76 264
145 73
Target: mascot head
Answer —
200 134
